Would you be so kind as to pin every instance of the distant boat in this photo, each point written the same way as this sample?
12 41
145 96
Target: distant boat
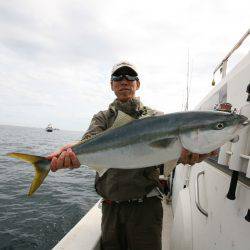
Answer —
49 128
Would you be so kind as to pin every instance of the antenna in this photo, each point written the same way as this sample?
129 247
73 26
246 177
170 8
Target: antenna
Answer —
187 85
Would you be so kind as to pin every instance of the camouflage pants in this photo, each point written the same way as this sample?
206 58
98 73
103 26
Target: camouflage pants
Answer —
132 226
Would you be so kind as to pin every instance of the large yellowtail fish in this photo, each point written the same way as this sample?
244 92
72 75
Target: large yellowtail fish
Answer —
148 142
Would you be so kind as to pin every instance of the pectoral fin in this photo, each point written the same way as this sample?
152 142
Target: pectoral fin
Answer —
163 143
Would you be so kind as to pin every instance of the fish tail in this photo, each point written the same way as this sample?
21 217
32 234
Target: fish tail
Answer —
41 172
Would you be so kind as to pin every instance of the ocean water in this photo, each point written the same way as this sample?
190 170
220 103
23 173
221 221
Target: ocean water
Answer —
39 221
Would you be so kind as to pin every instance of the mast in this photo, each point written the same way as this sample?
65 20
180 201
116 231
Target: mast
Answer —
187 85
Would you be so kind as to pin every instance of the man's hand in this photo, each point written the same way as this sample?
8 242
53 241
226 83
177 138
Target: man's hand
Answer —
190 158
63 158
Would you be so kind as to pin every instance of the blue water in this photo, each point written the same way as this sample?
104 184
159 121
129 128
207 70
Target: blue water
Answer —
40 221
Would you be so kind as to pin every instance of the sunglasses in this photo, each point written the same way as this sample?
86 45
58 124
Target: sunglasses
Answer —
128 77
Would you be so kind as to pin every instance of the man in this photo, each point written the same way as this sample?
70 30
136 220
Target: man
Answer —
132 209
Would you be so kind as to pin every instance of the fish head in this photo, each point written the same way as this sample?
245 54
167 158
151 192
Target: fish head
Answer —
210 130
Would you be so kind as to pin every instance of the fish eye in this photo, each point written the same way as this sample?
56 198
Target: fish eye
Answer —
219 125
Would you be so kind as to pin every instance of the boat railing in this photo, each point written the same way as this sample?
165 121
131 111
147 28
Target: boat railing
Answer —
223 65
86 233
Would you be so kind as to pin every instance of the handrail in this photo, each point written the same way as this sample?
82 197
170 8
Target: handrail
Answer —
197 195
223 63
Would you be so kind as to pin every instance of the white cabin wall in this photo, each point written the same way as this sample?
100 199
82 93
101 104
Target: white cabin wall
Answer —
225 227
181 173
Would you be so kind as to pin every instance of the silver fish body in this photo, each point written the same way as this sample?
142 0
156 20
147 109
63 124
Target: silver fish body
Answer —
149 141
159 139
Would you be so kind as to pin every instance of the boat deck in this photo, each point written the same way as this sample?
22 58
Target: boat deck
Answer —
89 227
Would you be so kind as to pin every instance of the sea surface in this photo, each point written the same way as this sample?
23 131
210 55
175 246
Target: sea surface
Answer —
39 221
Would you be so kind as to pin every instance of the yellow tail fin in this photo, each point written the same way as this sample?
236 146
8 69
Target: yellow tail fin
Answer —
41 165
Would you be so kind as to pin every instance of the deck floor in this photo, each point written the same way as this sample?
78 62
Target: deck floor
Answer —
89 226
167 224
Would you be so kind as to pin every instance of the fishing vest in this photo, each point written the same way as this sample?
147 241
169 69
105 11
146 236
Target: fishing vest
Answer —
127 184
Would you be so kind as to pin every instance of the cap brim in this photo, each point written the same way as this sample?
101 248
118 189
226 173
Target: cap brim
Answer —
125 70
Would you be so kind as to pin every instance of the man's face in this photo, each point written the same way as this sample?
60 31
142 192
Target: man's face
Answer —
125 89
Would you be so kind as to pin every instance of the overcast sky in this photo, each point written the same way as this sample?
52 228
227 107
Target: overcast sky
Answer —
56 56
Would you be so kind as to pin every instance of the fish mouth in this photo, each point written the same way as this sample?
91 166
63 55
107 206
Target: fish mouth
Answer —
246 123
244 120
